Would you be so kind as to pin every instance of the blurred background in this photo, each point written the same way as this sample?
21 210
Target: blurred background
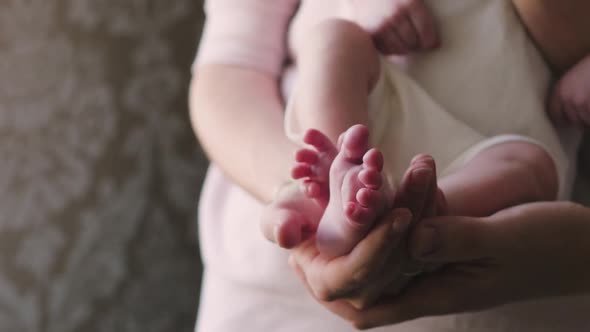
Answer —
99 168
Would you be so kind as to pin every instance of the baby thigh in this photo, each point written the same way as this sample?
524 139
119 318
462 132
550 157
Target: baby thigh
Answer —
501 176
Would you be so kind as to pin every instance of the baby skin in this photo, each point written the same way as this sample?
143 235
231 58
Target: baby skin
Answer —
346 182
340 189
340 66
342 192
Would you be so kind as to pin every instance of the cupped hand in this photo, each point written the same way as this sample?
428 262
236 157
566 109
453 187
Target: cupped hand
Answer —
569 103
349 276
378 263
522 253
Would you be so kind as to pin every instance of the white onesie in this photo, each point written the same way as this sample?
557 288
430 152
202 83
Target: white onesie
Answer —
478 90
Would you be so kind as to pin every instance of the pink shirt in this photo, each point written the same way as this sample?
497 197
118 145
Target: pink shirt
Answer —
248 33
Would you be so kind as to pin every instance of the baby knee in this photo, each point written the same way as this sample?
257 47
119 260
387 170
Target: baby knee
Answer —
536 163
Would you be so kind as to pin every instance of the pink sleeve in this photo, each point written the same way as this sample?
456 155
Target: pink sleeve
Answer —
249 33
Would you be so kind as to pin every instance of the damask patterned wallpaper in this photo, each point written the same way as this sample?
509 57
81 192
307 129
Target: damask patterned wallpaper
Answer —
99 169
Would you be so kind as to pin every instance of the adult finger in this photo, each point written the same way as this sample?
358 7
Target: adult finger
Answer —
424 25
342 276
451 291
432 195
416 185
389 279
453 239
370 254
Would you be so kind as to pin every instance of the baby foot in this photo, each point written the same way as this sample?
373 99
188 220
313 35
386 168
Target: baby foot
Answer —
358 194
291 218
313 166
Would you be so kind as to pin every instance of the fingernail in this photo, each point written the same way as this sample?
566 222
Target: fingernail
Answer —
421 178
425 241
400 223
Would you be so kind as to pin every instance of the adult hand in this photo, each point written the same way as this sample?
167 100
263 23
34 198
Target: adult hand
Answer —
525 252
377 264
569 103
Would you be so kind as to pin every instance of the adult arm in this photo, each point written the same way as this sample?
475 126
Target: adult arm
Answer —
236 107
509 257
237 115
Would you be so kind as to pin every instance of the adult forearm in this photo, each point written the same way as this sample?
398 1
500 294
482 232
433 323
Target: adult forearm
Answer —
558 233
237 114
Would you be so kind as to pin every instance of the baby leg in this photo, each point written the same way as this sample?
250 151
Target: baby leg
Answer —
359 194
499 177
338 67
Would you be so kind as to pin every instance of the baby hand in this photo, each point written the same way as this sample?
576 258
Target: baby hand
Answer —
570 99
398 26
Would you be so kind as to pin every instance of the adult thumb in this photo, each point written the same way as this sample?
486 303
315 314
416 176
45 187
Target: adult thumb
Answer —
452 239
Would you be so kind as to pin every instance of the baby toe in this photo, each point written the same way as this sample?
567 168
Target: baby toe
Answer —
371 178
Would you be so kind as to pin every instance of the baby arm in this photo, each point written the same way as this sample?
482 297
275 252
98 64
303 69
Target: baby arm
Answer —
570 99
500 177
397 26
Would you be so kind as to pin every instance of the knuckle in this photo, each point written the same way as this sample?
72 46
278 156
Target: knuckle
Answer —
361 275
360 303
361 324
324 294
319 288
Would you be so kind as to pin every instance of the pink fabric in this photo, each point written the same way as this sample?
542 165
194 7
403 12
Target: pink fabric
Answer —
248 33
